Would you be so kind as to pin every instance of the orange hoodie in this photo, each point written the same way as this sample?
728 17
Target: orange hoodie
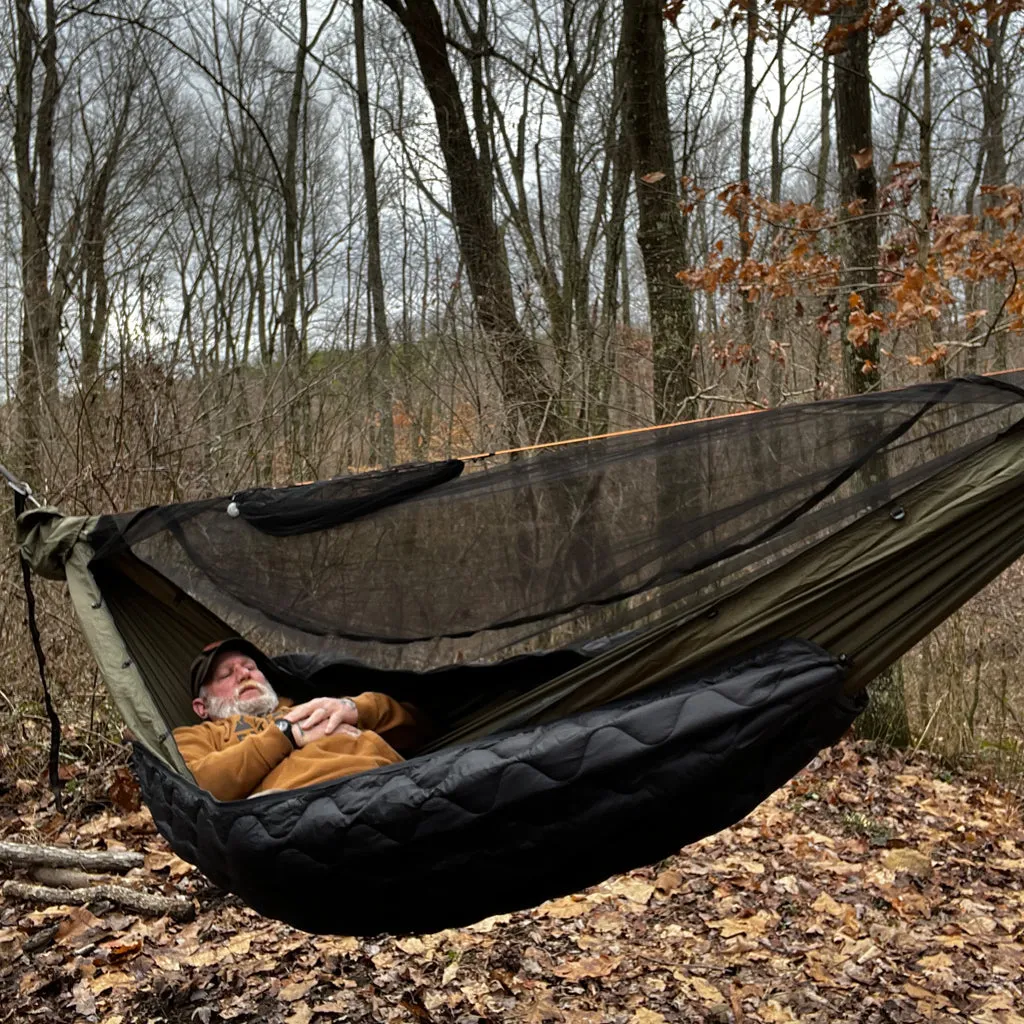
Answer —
235 757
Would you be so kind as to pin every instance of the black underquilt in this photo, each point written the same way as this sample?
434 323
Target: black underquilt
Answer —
465 832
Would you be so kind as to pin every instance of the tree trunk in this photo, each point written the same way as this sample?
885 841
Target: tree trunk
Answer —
293 342
824 136
94 307
993 103
858 197
34 162
380 374
663 230
886 719
524 386
928 332
746 238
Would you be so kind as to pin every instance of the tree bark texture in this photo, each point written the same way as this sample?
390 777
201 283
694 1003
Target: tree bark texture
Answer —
663 229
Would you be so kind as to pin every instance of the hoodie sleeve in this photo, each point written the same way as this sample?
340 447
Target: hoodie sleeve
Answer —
399 724
227 767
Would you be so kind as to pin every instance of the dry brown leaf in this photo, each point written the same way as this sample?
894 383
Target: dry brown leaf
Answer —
745 864
996 1001
77 922
488 923
938 962
607 922
340 945
333 1007
756 925
206 956
566 907
636 890
10 942
412 945
1006 864
927 1001
825 904
979 926
539 1009
588 967
668 881
302 1015
708 994
912 862
123 949
295 990
653 178
773 1012
863 158
111 980
85 1001
645 1016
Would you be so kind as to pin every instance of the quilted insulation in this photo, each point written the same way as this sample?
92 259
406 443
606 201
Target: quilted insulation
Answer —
507 822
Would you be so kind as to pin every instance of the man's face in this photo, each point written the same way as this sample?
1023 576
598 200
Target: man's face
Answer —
235 686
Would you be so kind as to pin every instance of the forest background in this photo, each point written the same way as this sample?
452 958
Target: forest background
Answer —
248 242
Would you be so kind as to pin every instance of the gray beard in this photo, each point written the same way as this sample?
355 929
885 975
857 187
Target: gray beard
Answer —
257 707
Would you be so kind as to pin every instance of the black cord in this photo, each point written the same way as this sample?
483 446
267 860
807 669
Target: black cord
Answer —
55 730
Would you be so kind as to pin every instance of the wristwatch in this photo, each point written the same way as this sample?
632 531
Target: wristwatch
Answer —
286 727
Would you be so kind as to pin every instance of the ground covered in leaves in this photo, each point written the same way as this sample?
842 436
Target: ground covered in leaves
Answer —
872 888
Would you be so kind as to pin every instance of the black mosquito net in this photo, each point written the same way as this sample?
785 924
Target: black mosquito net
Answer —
430 565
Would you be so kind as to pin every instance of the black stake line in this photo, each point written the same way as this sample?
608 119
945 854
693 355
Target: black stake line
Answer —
33 627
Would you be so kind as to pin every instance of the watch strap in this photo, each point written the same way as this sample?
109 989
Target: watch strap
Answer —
287 728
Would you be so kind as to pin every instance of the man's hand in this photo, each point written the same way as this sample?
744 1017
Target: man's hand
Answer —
323 716
318 732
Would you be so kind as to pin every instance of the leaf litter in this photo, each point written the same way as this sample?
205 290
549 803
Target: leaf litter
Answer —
872 888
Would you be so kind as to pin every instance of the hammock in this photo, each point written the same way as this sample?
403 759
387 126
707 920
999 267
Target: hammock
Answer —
625 644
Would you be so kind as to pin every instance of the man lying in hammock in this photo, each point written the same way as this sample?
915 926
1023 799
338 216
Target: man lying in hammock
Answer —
251 741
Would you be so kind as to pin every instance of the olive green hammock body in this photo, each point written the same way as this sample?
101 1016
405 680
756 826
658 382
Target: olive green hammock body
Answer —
600 632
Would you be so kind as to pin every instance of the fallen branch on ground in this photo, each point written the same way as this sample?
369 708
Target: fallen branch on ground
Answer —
177 907
23 855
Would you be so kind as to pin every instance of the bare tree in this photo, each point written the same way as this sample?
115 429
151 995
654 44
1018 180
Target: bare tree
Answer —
663 232
36 94
524 382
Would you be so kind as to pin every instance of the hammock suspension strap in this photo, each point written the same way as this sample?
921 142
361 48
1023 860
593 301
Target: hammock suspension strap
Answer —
23 495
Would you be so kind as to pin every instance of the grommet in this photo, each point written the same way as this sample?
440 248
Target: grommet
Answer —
898 513
712 613
233 510
845 660
126 664
97 604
